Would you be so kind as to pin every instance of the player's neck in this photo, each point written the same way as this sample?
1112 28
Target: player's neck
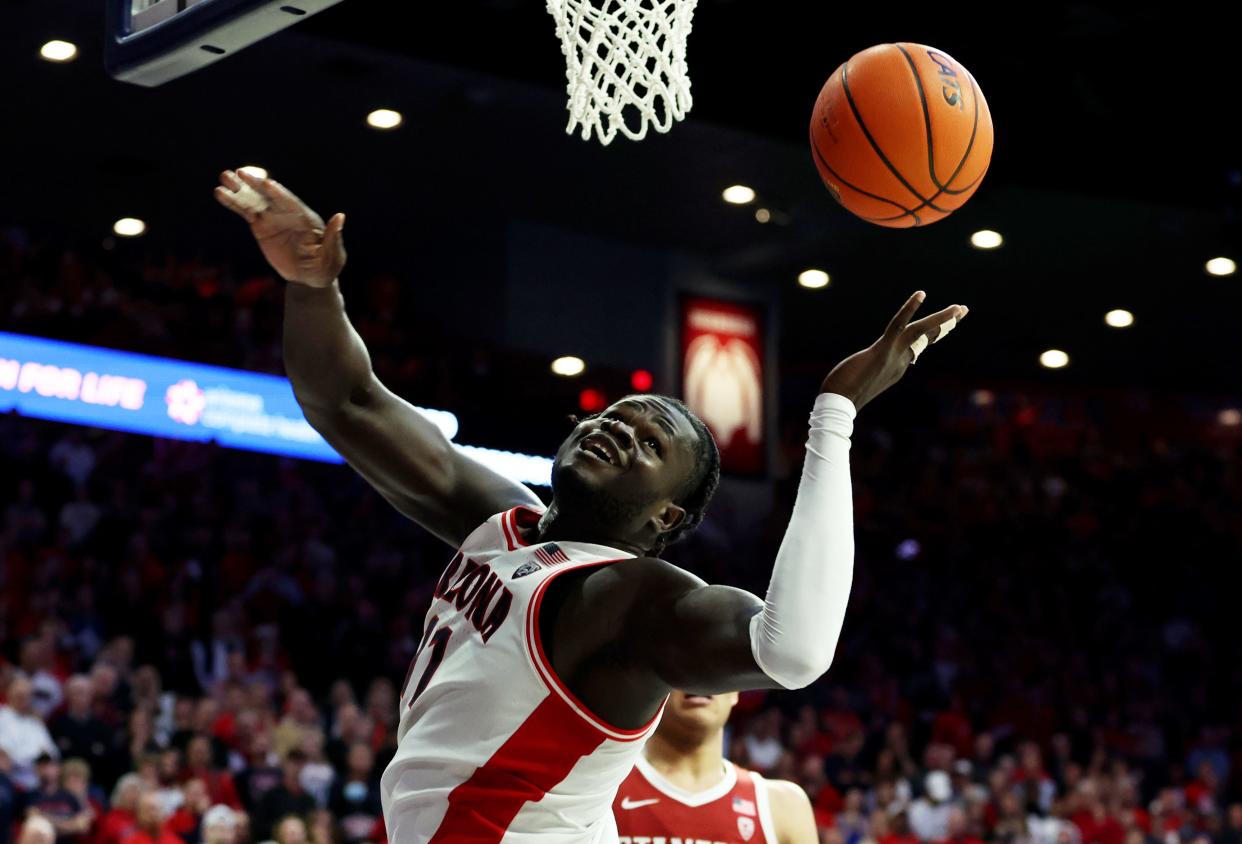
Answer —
692 767
556 524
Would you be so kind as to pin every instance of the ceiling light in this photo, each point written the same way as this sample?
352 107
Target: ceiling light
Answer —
384 118
1119 318
129 227
1221 266
739 195
813 279
59 51
568 366
1054 359
986 239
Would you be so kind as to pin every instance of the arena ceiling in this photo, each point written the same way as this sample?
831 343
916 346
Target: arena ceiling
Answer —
1117 172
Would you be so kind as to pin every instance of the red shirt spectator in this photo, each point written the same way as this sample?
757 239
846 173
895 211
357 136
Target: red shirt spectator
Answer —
220 787
150 827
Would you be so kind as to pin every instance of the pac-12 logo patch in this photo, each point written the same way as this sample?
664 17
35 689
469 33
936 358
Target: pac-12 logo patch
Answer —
525 569
746 828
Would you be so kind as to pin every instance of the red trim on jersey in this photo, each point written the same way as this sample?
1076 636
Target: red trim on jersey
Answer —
504 529
510 521
534 644
531 762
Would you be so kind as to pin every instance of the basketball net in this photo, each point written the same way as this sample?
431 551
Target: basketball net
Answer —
625 64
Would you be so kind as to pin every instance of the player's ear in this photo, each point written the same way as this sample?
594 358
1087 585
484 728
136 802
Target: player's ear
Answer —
668 518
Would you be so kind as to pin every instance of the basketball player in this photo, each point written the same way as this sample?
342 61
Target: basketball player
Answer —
683 790
555 634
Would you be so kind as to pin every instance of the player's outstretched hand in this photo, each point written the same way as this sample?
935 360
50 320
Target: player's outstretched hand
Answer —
293 238
864 375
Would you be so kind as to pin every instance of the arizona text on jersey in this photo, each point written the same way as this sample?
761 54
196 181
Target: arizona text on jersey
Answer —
492 746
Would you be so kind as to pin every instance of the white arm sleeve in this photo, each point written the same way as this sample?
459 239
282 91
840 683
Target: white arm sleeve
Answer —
795 636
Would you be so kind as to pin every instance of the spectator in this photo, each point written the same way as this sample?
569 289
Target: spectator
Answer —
77 731
121 820
220 825
76 779
1232 831
763 742
929 814
317 775
69 816
186 822
851 822
350 727
10 799
220 787
898 830
79 516
286 798
355 799
259 776
168 780
299 719
322 828
150 827
23 735
73 457
958 829
291 830
46 694
141 738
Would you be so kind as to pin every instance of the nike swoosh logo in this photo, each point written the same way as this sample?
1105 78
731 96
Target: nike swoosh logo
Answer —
627 803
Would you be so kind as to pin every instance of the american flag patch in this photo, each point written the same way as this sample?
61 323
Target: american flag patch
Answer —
551 554
743 806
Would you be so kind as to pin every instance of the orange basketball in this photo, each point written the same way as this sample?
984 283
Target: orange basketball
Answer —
901 135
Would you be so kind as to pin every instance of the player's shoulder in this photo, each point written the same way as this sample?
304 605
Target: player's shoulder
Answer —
791 810
786 792
657 576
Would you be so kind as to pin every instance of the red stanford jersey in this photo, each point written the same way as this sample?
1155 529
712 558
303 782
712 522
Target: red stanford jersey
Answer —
651 810
492 748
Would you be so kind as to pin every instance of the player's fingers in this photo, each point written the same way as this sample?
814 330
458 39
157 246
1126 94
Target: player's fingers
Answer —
903 316
281 197
935 326
332 236
229 200
259 183
229 179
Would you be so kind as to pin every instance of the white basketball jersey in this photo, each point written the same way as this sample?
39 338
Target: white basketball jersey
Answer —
492 746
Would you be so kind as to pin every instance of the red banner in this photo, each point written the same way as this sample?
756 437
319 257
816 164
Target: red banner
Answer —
722 377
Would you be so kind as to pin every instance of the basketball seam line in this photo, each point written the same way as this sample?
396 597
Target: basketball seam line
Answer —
856 189
849 98
931 141
974 131
931 160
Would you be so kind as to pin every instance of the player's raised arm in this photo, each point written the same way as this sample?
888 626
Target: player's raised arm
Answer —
712 639
397 449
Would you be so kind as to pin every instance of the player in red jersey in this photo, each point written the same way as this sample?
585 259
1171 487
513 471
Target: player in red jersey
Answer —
556 633
683 790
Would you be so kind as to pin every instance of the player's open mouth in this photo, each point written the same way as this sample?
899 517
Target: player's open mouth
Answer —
600 446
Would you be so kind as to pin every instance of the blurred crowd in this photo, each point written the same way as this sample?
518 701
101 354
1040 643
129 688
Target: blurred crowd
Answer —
201 645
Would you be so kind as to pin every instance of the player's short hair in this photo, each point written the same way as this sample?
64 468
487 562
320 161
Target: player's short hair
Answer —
702 483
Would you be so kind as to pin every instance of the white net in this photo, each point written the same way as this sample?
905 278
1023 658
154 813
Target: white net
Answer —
625 64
